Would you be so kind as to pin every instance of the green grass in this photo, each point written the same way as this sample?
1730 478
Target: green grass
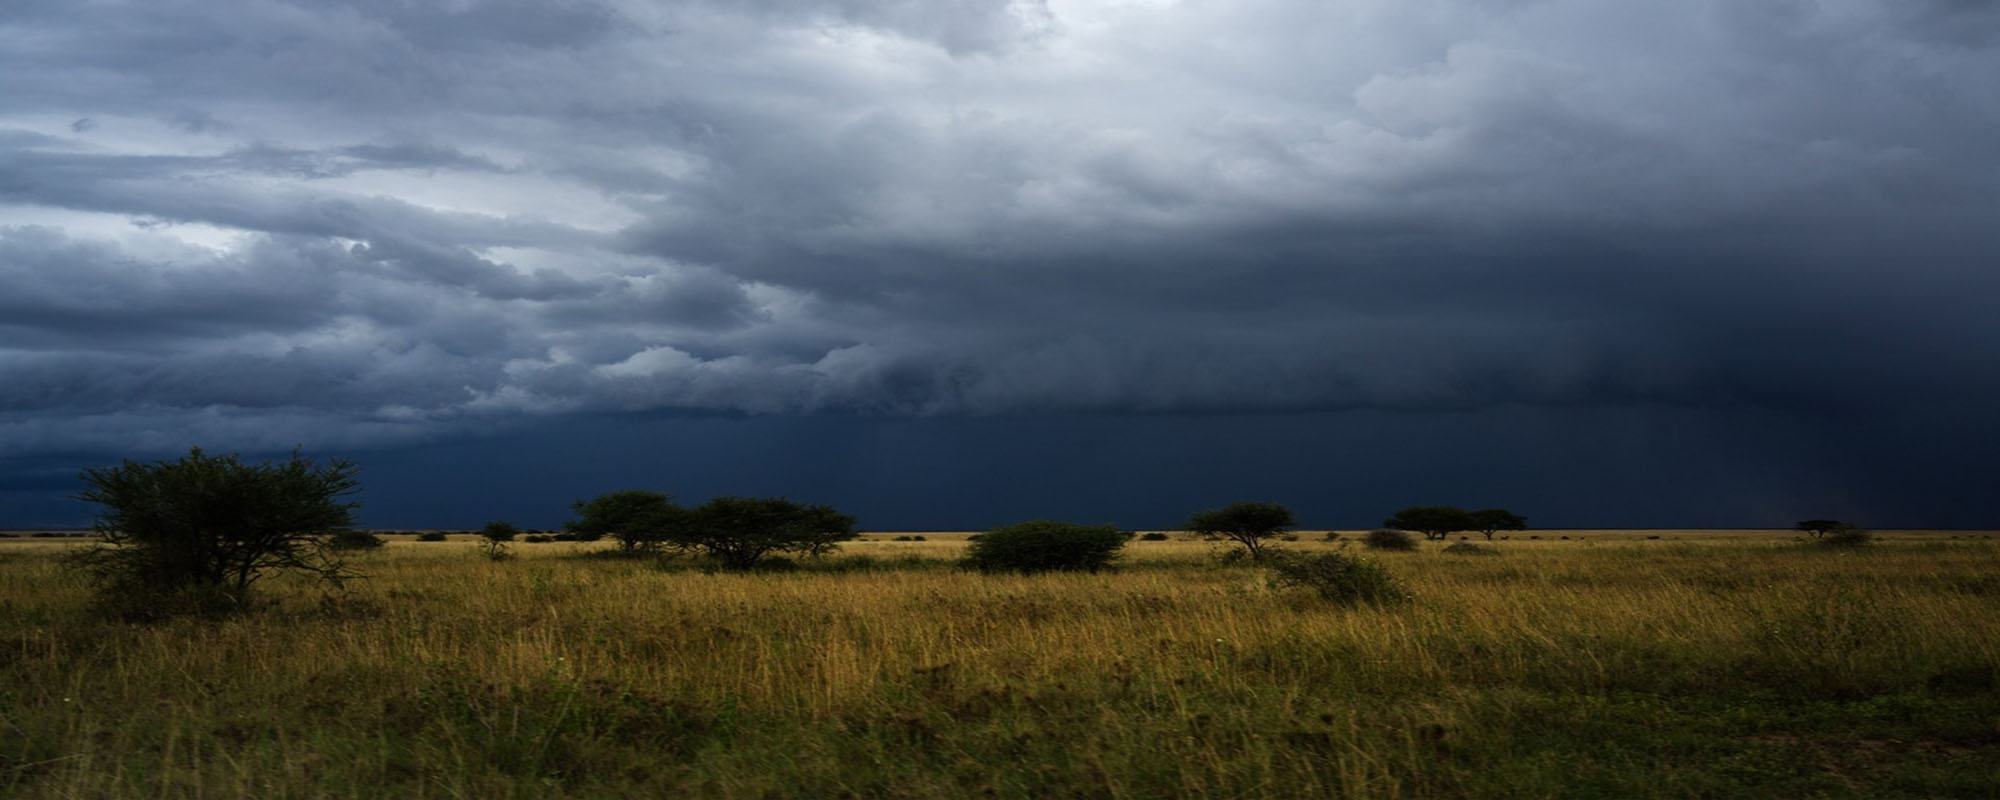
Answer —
1608 667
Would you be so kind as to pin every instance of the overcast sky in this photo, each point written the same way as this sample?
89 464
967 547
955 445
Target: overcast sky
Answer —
959 262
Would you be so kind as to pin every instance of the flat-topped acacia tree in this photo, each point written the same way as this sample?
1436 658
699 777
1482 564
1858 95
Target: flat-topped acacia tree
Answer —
638 519
1490 520
741 531
1247 524
1434 522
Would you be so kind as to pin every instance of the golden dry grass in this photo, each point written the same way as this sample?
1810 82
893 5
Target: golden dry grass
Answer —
1560 667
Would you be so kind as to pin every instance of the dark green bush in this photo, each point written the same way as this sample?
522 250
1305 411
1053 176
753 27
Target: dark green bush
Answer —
538 538
1386 539
196 533
1155 536
354 540
1046 546
1470 549
1342 579
431 536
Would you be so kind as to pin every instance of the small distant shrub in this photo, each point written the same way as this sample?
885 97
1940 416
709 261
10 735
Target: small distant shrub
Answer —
1538 537
354 540
44 535
431 536
1346 580
1046 546
1155 536
1288 537
1470 549
1331 536
538 538
1565 538
1387 539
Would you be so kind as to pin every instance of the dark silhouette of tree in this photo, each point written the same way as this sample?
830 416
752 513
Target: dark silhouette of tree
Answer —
195 534
638 519
1434 522
494 537
741 531
1489 520
1248 524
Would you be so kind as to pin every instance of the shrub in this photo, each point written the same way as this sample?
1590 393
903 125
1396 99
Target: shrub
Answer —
354 540
538 538
1046 546
1470 549
1387 539
193 535
1342 579
1155 536
1331 536
431 536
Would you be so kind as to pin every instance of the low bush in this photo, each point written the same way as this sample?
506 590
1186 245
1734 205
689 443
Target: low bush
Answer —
354 540
538 538
1387 539
1331 536
1155 536
1046 546
1470 549
1346 580
431 536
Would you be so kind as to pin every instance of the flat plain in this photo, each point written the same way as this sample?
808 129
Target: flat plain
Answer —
1605 664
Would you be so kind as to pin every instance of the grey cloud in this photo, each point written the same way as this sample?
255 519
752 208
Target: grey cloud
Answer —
452 216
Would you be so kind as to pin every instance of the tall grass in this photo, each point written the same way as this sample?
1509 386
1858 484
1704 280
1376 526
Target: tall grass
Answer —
1633 668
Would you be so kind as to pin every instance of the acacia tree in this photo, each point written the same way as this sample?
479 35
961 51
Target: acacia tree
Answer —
1248 524
1488 520
1434 522
638 519
741 531
194 534
494 538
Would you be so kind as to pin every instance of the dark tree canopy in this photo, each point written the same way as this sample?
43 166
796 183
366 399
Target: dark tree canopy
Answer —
1248 524
1434 522
499 531
1046 546
740 531
638 519
196 533
1489 520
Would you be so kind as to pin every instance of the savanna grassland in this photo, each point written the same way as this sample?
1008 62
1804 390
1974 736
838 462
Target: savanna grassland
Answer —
1609 666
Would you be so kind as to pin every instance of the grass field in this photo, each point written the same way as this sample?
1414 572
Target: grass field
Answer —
1607 665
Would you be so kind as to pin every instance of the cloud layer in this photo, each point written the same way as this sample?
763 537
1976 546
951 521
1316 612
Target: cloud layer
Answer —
369 222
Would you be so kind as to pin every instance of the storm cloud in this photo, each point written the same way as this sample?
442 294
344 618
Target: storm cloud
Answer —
366 224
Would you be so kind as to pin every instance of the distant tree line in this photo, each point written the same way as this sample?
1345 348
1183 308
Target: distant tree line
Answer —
196 533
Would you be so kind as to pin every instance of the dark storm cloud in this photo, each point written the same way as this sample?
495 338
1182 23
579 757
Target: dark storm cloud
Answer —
369 221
